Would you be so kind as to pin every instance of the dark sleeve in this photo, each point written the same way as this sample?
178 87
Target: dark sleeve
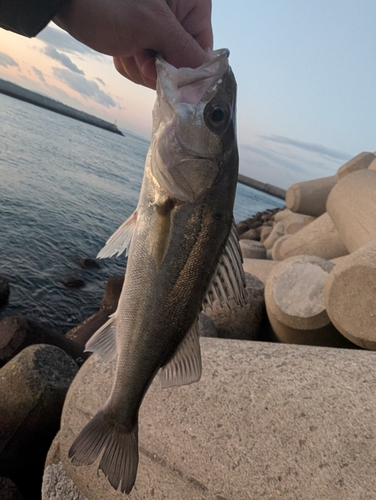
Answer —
27 17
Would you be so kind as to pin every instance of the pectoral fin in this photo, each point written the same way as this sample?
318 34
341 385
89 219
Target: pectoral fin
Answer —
103 342
228 280
120 240
185 366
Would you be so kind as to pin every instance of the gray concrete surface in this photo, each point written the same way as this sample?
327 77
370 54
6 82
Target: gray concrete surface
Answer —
266 421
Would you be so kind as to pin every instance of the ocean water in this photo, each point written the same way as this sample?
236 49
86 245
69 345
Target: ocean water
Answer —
65 186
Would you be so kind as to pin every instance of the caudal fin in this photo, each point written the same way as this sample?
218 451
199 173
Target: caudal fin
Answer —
119 460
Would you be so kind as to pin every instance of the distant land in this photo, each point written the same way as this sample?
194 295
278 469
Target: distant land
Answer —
13 90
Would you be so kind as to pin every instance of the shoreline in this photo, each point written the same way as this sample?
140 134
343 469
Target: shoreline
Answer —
17 92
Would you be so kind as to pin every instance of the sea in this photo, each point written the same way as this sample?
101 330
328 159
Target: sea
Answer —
65 187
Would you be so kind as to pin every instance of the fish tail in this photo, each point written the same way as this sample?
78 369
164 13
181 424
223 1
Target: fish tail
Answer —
119 460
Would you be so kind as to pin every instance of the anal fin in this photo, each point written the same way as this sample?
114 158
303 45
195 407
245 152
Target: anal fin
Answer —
185 366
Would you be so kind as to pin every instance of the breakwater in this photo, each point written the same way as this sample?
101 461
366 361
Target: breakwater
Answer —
13 90
262 186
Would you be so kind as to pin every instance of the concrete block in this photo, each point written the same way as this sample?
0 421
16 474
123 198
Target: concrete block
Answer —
264 233
258 267
352 208
265 421
319 238
372 165
359 162
310 197
294 296
277 232
350 296
252 249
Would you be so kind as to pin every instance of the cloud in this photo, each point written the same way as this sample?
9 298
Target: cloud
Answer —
6 60
62 41
100 80
39 74
87 88
313 148
64 59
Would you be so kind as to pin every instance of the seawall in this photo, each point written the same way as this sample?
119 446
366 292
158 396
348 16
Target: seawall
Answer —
23 94
262 186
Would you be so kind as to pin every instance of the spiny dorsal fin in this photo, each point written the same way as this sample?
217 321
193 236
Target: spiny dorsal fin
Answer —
103 342
228 280
120 240
185 366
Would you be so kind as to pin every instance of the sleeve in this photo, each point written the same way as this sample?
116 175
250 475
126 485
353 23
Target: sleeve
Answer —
27 17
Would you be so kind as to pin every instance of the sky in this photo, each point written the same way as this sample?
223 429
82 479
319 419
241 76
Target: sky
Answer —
306 75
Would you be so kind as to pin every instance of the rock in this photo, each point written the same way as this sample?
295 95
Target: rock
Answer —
4 291
8 490
33 386
310 197
17 332
352 208
82 333
265 421
294 296
359 162
251 234
241 227
112 293
236 322
259 267
87 263
206 327
319 238
72 282
252 249
350 296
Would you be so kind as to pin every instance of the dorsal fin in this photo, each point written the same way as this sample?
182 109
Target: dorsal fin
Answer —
185 366
120 240
228 280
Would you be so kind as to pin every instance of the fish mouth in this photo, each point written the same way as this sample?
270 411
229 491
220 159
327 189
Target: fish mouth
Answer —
188 85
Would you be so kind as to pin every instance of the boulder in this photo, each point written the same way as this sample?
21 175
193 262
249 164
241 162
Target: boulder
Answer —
251 234
294 296
352 208
265 421
73 282
350 296
310 197
33 386
88 263
17 332
237 322
4 291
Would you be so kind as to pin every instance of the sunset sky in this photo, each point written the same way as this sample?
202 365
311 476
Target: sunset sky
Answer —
306 78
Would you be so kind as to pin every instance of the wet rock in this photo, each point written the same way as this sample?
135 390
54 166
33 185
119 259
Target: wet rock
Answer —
72 282
4 291
235 322
33 386
87 263
17 332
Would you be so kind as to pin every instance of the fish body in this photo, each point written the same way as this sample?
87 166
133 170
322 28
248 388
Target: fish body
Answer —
182 252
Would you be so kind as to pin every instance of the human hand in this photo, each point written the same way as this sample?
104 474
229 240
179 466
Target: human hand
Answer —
133 31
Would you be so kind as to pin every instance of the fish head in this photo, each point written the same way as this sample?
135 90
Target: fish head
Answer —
193 125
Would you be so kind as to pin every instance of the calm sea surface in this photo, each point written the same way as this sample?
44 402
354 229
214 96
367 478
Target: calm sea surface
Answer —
64 188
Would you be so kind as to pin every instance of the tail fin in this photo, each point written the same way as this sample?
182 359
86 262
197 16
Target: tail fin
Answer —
120 457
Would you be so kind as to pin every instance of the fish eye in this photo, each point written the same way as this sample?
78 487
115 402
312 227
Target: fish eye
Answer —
217 117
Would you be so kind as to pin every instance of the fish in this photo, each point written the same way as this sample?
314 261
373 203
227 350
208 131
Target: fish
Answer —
183 255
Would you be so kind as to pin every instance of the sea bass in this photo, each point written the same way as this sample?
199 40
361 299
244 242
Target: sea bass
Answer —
182 253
